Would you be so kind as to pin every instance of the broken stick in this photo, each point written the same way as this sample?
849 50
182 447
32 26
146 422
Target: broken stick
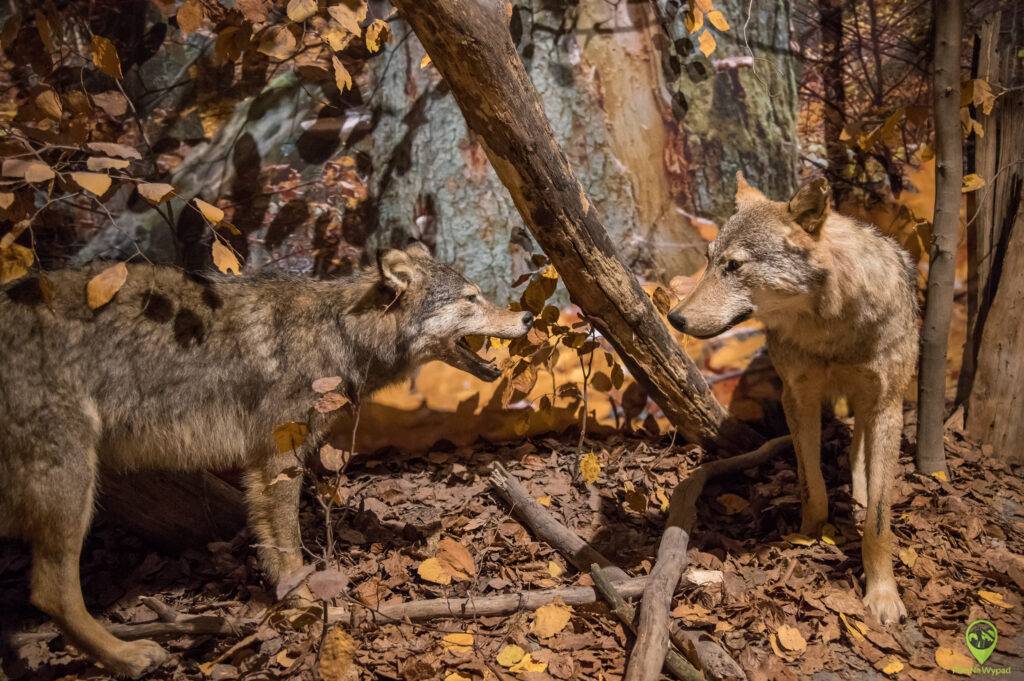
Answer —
677 665
652 630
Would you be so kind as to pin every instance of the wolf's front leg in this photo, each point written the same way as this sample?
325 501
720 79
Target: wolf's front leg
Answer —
882 443
801 400
274 515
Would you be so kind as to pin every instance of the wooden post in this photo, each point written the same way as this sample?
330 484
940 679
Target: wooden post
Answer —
470 44
931 382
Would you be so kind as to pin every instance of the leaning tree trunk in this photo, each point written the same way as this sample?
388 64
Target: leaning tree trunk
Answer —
655 134
830 15
931 382
470 43
992 378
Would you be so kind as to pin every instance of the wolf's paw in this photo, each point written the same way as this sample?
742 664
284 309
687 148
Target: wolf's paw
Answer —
811 526
884 604
136 659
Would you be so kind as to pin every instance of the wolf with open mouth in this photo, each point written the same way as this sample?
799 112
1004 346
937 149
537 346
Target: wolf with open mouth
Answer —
183 372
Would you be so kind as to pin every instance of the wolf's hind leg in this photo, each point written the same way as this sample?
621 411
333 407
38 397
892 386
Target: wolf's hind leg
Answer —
60 504
802 404
858 467
882 439
274 516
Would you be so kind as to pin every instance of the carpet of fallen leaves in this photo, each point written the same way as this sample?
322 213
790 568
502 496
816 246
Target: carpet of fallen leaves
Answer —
788 608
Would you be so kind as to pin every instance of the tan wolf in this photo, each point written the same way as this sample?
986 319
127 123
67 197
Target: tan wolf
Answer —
185 372
838 303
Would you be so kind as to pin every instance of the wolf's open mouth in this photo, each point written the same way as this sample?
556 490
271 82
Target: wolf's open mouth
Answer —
461 356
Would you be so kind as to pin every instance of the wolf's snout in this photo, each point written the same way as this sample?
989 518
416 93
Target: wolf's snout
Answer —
527 318
676 319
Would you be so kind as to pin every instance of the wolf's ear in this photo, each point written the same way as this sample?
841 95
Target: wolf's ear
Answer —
809 207
745 193
418 249
396 270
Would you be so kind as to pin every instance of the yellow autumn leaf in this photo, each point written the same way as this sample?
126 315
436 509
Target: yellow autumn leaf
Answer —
349 14
342 78
14 262
693 21
791 639
209 211
707 43
97 183
105 285
995 599
908 557
104 56
544 501
7 200
550 619
377 33
892 666
432 570
455 676
337 656
290 436
190 15
555 570
590 467
953 661
528 664
425 62
49 103
335 36
854 627
972 182
799 539
509 655
940 476
224 259
300 10
155 192
718 20
702 6
459 643
662 499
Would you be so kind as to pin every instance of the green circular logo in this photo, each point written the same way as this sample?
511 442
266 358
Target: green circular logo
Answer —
981 639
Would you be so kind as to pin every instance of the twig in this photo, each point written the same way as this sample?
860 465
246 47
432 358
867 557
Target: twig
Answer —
544 525
652 630
676 664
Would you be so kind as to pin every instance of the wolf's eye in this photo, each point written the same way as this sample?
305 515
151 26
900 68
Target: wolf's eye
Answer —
732 265
472 297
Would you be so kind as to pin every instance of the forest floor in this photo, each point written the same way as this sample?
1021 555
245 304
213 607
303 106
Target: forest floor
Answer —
787 608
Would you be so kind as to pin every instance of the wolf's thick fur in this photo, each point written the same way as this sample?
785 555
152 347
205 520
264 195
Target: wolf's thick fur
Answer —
838 303
179 372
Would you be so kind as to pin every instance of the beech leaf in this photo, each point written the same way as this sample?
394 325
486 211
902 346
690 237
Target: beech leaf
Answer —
105 285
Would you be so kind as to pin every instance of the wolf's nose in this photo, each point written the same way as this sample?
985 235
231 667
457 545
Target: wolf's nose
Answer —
677 320
527 318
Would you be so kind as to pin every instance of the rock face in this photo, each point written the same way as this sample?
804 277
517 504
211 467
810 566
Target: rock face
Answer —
655 131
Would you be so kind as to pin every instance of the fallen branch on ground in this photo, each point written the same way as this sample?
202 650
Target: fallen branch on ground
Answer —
677 665
652 630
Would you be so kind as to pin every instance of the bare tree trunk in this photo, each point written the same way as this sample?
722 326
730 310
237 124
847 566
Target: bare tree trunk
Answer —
470 43
830 14
931 383
993 368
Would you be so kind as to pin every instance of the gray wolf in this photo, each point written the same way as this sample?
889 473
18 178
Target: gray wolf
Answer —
838 302
184 372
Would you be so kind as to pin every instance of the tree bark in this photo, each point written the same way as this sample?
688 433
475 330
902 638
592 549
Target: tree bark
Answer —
992 379
470 43
931 384
830 15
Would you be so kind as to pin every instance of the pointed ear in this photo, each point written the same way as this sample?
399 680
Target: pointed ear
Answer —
396 270
418 249
745 193
809 207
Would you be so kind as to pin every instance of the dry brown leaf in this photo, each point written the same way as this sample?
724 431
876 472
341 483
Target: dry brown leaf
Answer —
113 103
349 14
550 619
460 643
456 559
155 192
528 664
791 639
377 33
995 598
277 42
190 15
14 262
106 163
300 10
336 656
209 211
330 401
30 170
892 666
342 78
326 384
972 182
662 300
49 103
431 570
6 200
225 259
290 436
732 503
115 149
97 183
104 56
105 285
